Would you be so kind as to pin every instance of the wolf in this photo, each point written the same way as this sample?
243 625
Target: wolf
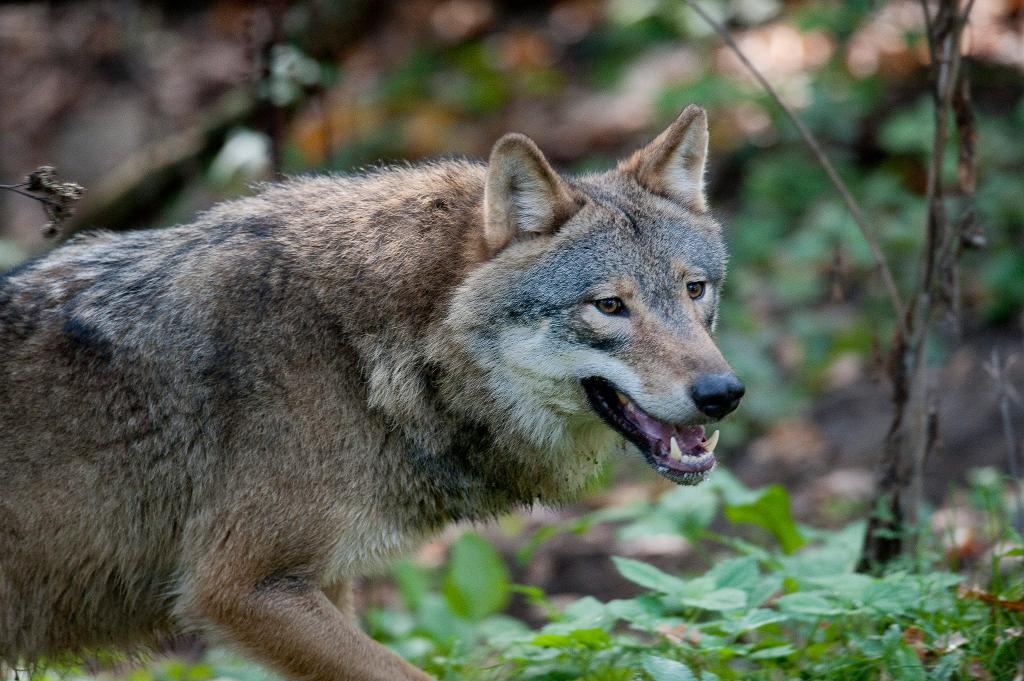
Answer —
221 425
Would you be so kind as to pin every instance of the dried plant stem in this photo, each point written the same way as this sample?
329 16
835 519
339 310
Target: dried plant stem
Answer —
57 198
812 143
17 189
914 427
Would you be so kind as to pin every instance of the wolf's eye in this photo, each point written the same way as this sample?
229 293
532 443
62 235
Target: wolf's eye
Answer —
610 305
695 289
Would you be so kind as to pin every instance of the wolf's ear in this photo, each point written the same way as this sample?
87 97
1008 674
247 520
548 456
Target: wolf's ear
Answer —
673 164
523 193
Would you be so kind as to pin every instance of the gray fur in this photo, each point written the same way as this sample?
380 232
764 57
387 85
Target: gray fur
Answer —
224 421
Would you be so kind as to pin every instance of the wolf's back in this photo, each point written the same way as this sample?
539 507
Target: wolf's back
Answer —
120 359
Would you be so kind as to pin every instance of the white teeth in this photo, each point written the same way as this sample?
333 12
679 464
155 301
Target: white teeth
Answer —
674 452
711 442
623 400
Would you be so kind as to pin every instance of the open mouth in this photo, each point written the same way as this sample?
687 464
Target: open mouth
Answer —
680 453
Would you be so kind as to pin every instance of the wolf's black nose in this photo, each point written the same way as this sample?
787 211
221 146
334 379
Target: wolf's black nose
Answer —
717 394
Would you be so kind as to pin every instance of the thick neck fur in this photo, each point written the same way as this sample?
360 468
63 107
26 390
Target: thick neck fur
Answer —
388 265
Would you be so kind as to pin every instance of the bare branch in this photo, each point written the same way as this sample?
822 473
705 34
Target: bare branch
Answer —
57 198
912 434
851 204
967 10
928 27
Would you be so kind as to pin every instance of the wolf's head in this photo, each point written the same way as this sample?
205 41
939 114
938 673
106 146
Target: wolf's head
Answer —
595 307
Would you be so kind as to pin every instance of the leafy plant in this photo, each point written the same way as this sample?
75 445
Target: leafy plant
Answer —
790 607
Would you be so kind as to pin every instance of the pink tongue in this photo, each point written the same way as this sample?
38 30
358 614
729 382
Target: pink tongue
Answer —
688 437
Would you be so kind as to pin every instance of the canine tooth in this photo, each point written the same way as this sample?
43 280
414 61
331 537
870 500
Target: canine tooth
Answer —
623 400
711 442
674 452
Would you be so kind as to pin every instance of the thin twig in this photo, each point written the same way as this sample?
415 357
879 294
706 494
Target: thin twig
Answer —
927 15
812 142
944 44
967 10
57 198
16 188
966 233
939 255
928 29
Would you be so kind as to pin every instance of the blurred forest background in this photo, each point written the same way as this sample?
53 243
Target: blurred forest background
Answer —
161 109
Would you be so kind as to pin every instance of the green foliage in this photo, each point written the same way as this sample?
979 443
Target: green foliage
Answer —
790 608
477 582
664 669
770 511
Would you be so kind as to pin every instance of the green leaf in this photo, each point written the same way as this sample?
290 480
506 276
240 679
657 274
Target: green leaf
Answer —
501 630
646 612
772 653
732 491
664 669
650 525
738 573
806 604
754 619
648 576
850 586
413 647
696 593
558 636
946 666
940 581
903 663
818 561
587 612
765 588
893 596
552 640
437 619
770 511
477 582
411 581
719 599
389 623
689 509
595 639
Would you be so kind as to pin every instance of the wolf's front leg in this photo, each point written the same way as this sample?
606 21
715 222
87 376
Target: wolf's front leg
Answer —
292 626
340 593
